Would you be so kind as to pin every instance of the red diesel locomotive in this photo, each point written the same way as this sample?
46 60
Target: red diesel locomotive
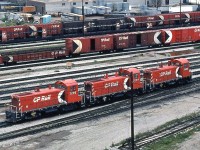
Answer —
66 95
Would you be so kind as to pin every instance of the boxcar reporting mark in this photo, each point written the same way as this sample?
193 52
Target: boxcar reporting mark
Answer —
77 46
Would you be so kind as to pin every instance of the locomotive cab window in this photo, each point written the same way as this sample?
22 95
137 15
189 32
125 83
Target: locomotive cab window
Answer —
88 87
135 76
72 88
185 65
59 86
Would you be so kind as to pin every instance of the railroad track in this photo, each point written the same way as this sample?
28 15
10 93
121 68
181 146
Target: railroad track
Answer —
181 126
29 44
32 49
8 87
4 124
27 83
112 108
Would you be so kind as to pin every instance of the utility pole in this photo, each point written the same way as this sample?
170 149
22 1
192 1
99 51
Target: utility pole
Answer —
180 13
157 4
132 114
83 18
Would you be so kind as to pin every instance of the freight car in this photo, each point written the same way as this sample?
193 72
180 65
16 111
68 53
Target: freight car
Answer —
167 20
66 95
162 37
106 43
35 31
96 27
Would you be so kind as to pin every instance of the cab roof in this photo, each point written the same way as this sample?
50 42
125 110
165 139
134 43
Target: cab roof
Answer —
182 60
67 82
129 70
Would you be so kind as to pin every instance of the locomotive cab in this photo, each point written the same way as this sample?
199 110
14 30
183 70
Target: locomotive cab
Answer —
13 113
136 75
70 87
183 71
33 104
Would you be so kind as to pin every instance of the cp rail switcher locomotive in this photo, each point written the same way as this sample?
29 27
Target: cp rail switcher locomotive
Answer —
67 95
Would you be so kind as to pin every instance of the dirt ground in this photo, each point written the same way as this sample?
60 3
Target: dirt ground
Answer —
192 143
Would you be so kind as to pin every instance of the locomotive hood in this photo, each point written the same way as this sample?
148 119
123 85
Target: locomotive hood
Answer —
40 95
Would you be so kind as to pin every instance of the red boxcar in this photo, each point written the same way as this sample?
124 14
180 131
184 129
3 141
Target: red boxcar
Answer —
164 19
12 33
173 19
106 86
89 44
144 21
185 34
124 40
149 38
194 17
44 30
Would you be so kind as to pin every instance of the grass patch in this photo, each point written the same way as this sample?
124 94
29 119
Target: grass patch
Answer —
168 125
171 142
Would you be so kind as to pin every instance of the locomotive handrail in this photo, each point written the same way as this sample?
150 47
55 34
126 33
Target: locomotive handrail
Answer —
14 107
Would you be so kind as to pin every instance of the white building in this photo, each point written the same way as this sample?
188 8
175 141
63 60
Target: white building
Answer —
65 6
166 2
55 6
193 1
